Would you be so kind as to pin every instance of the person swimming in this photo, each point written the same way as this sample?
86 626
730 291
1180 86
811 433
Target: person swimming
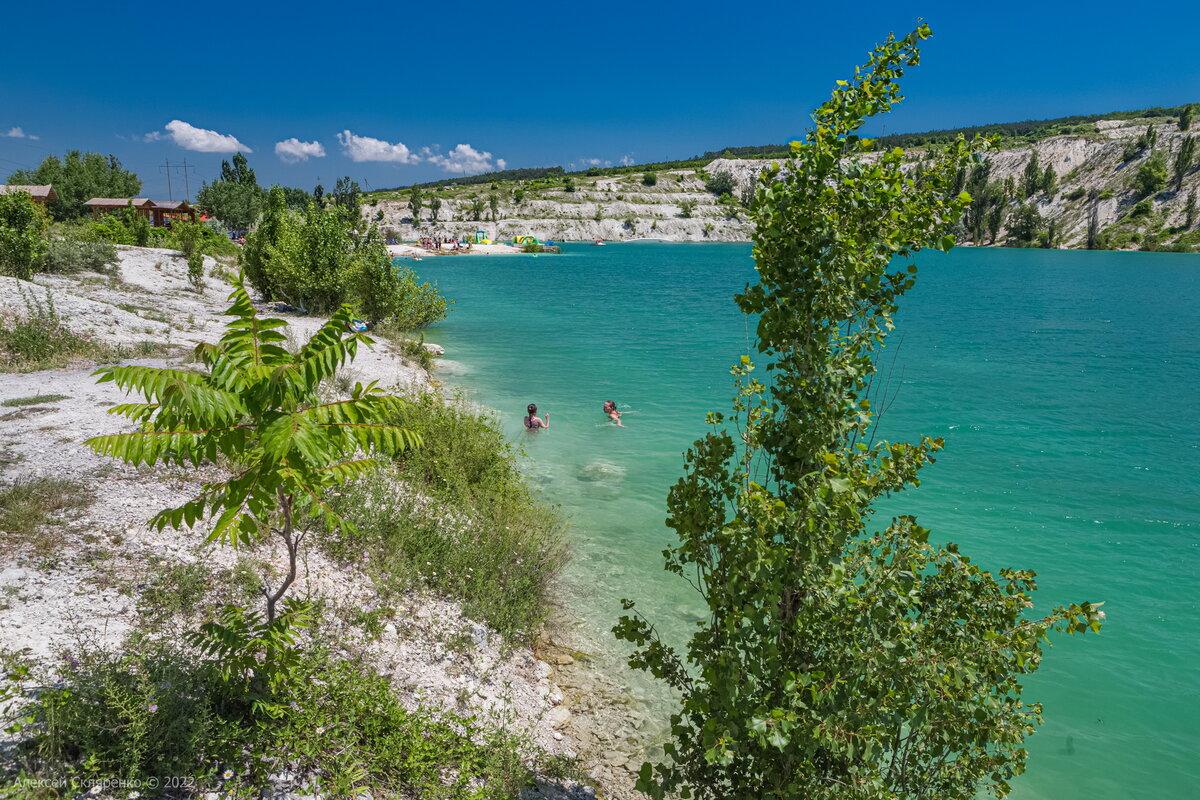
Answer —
533 422
610 410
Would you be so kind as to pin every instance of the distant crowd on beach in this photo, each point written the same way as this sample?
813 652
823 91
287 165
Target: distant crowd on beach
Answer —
440 242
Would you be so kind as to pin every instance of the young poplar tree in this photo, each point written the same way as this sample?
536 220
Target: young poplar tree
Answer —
839 658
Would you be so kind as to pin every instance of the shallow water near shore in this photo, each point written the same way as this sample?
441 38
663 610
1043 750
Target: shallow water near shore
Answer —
1065 384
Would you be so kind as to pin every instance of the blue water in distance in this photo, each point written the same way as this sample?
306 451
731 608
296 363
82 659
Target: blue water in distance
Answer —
1065 384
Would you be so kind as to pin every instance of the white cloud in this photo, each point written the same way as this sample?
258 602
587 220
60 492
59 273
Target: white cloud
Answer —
201 140
17 133
152 136
626 160
465 160
292 150
365 148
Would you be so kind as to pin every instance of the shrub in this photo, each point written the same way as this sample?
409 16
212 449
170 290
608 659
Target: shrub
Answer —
316 261
156 711
721 183
66 255
494 546
189 236
23 227
650 179
39 339
686 208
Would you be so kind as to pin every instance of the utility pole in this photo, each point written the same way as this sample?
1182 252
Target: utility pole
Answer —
167 169
187 190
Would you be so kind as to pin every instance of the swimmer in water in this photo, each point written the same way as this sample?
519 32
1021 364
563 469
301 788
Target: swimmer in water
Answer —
610 410
532 422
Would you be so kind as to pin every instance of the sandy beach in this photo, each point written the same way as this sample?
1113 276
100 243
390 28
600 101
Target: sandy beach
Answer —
412 250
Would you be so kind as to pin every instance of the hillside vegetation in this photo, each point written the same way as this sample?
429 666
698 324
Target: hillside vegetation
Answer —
1123 181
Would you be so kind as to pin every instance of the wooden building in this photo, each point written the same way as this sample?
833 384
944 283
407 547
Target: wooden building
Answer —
99 206
43 195
160 212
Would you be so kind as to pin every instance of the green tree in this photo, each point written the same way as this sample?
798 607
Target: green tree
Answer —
835 659
1049 181
263 242
23 240
1189 211
435 207
1186 116
649 178
235 198
1026 227
1183 161
253 409
1093 228
494 206
518 195
1151 177
721 183
416 201
477 206
78 178
347 196
1033 177
686 208
995 220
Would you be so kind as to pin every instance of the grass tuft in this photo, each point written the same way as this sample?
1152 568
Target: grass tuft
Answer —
33 400
29 509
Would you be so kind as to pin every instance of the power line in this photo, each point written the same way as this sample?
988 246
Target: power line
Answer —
185 167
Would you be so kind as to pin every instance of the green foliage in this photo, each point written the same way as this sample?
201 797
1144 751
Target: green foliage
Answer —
1049 184
1186 116
236 198
416 201
649 178
347 196
68 254
435 207
189 236
494 206
477 205
1183 161
1031 182
28 507
836 658
154 711
1151 177
23 227
78 178
721 183
494 546
40 340
318 261
687 208
1027 227
1189 210
255 407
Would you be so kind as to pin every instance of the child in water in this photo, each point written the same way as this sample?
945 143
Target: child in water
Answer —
532 422
610 410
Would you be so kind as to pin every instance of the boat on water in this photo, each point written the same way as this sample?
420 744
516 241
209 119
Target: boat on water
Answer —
598 243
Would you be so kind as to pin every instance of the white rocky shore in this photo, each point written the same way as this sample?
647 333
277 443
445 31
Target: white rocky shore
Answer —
86 591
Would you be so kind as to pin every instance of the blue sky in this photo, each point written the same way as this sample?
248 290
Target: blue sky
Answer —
389 91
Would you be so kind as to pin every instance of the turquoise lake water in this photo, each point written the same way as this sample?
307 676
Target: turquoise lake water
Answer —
1066 385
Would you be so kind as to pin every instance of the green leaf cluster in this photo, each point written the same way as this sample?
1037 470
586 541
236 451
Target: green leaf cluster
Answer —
838 658
23 241
254 405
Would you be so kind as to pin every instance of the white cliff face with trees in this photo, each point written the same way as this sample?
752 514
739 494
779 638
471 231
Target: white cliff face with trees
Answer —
1109 184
